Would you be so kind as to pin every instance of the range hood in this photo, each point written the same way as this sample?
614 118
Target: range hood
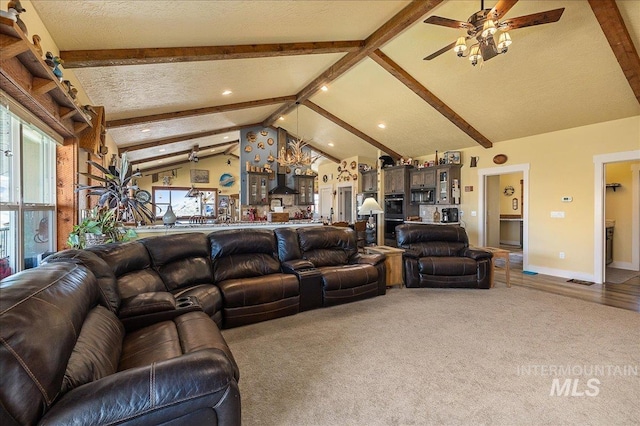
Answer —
281 187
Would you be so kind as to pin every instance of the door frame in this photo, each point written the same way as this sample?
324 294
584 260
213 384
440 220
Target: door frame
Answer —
493 171
599 188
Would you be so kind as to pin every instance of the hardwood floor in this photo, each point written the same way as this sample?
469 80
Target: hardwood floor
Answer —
624 296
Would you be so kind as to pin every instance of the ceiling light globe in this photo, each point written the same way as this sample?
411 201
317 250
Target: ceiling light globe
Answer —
488 28
504 41
461 45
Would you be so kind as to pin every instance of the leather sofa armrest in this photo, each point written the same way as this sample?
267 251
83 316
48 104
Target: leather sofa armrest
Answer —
310 280
410 254
181 306
476 254
295 265
146 303
191 384
370 259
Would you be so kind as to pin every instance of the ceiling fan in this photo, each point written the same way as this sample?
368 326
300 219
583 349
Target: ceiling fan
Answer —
482 26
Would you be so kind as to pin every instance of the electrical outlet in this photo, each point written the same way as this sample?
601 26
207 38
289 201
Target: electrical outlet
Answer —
557 214
561 255
473 213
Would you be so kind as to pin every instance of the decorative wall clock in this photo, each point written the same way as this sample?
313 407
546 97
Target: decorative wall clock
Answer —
508 191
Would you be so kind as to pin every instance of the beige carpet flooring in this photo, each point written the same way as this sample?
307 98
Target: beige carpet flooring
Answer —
418 356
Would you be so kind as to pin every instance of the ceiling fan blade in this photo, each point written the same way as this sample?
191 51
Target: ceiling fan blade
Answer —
529 20
440 52
501 8
446 22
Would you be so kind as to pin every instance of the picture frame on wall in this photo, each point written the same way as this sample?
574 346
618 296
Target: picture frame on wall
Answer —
199 176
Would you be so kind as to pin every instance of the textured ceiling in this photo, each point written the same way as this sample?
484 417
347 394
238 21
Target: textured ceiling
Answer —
554 76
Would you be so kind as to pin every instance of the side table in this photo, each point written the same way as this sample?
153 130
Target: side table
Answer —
502 254
393 263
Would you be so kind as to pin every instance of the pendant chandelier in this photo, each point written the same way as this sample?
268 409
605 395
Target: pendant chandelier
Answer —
293 154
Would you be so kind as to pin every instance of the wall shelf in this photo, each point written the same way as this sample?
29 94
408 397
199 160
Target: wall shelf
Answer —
28 79
613 186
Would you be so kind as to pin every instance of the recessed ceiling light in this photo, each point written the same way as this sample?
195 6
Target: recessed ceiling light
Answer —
145 130
324 88
227 92
160 161
226 137
213 149
382 125
281 118
330 144
161 150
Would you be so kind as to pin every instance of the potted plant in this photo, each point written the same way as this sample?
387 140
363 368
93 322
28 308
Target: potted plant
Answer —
116 206
99 228
117 193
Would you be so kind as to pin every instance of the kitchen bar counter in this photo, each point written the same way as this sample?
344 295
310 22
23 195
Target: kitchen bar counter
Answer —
179 228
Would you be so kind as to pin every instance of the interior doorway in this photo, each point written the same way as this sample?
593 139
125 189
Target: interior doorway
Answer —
599 226
345 204
326 202
493 194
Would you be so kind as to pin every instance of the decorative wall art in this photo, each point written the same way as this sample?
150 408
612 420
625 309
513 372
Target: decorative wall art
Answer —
199 176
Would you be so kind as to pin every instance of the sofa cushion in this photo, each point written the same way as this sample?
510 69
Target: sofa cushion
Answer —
97 350
109 292
238 253
184 334
348 276
42 311
181 260
258 290
447 266
131 265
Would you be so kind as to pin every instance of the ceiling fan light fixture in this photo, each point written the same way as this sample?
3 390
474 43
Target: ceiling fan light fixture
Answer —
475 55
504 42
488 28
461 46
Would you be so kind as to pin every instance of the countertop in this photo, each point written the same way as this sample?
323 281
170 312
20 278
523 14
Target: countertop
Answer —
150 230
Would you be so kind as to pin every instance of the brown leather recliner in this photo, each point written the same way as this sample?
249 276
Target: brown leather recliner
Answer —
247 271
68 359
439 256
347 275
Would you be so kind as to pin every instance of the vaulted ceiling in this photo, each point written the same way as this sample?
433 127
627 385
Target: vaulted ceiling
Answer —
160 68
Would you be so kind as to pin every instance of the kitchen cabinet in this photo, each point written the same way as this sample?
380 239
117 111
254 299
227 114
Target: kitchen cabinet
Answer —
370 181
448 184
423 178
396 179
257 188
304 186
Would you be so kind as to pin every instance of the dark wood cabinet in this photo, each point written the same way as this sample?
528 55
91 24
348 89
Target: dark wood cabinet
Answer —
396 179
370 181
423 178
257 188
448 179
304 186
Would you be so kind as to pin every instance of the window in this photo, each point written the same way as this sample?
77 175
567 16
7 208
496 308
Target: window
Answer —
27 193
183 206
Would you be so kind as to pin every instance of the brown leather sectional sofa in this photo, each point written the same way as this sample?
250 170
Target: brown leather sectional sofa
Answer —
129 333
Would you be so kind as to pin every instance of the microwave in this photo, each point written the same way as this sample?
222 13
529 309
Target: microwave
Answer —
423 196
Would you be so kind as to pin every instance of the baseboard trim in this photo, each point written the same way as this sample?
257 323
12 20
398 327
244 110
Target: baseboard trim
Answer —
561 273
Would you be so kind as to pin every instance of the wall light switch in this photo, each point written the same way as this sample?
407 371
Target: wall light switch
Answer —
557 215
567 199
474 213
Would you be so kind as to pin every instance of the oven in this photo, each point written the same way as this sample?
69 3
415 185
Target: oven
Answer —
394 206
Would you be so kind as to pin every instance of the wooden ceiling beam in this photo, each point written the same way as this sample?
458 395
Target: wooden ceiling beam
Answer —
180 138
390 29
326 114
144 56
394 69
183 152
614 28
134 121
